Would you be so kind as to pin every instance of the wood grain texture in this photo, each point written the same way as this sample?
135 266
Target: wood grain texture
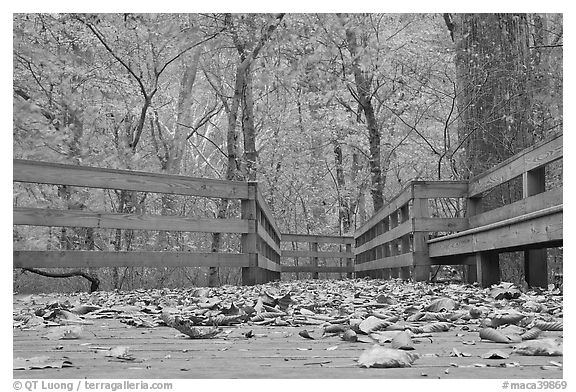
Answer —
545 152
311 253
530 204
108 220
94 177
89 259
404 260
438 189
394 233
321 239
398 201
540 229
274 353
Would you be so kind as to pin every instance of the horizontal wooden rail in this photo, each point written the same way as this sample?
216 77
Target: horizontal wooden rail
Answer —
403 260
331 239
531 158
387 236
439 189
401 199
320 269
308 253
89 259
94 177
526 232
530 204
100 220
505 222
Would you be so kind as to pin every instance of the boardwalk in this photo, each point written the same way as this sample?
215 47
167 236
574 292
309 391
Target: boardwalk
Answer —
272 352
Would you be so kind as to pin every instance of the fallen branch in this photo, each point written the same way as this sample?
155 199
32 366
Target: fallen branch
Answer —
94 281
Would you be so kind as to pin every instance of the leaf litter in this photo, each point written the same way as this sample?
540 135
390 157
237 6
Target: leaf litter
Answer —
394 314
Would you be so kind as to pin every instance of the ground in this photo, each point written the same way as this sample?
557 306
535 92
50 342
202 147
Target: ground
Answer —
258 332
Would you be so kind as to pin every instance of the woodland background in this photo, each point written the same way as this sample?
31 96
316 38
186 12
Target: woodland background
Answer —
331 113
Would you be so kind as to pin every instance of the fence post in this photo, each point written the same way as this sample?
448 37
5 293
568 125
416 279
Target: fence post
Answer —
535 260
349 261
422 263
251 275
314 260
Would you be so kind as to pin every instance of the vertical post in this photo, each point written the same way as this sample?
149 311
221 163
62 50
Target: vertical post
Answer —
251 275
535 260
314 260
473 207
487 268
421 271
349 260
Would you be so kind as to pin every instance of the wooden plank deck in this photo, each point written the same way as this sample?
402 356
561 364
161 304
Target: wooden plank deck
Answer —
273 352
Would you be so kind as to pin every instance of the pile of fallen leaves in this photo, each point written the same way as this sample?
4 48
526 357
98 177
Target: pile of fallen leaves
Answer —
391 313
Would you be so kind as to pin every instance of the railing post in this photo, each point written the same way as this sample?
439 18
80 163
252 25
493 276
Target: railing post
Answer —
314 260
405 241
422 263
349 261
535 261
471 265
251 275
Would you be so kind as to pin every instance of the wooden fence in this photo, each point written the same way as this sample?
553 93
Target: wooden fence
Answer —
404 240
393 243
260 237
530 224
314 253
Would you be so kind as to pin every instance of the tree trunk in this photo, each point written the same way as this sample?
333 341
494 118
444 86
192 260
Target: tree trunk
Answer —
364 97
492 65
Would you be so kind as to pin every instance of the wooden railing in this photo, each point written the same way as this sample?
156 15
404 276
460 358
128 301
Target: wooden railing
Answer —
393 243
314 253
404 240
260 237
530 224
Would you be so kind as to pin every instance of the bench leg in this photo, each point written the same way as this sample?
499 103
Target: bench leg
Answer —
487 268
536 268
470 275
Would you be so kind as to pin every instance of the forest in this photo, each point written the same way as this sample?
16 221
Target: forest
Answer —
332 114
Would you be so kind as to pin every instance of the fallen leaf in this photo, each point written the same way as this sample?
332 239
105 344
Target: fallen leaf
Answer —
305 334
42 362
380 357
495 354
544 347
402 341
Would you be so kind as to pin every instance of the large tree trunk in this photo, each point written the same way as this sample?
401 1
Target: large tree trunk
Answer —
493 72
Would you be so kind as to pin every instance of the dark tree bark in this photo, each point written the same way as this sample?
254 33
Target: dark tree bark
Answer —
493 74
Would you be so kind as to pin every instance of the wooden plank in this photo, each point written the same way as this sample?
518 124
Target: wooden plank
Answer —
311 253
530 204
539 230
506 222
266 237
404 260
267 264
396 232
398 201
88 259
440 224
265 209
310 268
324 239
94 177
107 220
437 189
542 153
